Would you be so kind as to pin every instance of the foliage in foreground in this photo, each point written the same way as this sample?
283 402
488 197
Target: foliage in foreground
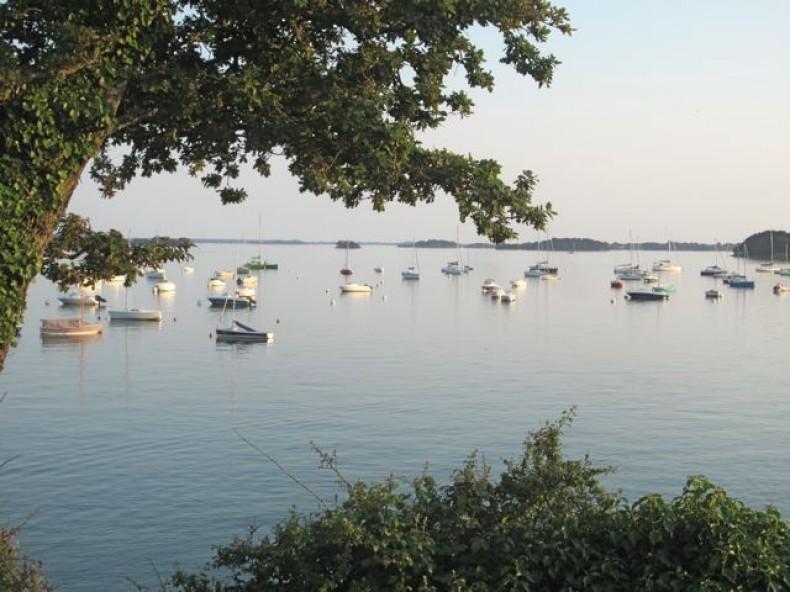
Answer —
545 524
16 573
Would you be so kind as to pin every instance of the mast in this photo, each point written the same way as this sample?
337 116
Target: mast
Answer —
260 256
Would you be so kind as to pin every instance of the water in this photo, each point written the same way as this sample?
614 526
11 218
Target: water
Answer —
129 453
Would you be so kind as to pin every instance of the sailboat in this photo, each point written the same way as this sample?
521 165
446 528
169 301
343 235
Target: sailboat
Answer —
412 272
666 264
785 270
133 314
542 269
769 267
237 331
70 327
455 267
739 280
346 271
257 262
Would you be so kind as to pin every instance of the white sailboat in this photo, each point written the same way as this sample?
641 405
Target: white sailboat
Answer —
133 314
413 271
666 264
769 267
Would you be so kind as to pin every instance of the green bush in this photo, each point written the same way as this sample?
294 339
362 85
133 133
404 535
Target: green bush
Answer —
18 574
545 524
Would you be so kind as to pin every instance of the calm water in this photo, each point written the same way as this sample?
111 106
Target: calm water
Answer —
128 450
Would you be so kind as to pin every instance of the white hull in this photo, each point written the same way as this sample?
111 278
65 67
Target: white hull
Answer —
134 314
165 287
355 289
69 328
216 284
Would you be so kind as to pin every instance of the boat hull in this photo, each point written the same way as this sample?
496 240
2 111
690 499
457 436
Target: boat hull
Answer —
69 328
136 315
647 296
230 302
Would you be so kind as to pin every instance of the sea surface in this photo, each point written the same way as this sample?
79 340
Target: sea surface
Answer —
130 456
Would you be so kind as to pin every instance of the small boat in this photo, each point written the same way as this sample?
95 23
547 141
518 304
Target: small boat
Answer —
188 269
356 289
135 314
69 328
712 294
488 285
646 295
410 274
241 332
781 288
626 267
740 281
164 286
497 293
784 271
508 298
156 274
650 278
453 268
226 300
81 298
633 275
216 284
713 271
767 268
550 276
242 270
117 279
617 284
245 292
346 270
247 280
666 265
378 269
223 274
515 284
533 273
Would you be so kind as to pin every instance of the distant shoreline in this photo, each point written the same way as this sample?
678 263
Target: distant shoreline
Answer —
579 245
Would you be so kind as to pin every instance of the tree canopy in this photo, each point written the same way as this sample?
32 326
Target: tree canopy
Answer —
340 88
545 524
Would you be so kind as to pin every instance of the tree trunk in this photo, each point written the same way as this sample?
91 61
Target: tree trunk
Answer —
25 233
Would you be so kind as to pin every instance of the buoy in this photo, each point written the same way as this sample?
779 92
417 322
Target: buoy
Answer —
384 297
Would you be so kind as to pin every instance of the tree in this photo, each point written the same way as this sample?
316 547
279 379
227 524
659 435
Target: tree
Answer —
340 88
547 524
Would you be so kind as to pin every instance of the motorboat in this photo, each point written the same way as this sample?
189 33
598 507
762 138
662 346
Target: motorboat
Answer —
156 274
508 298
216 284
164 286
410 274
69 328
188 269
240 332
534 273
247 280
516 284
768 268
229 301
488 285
712 294
135 314
453 268
646 295
781 288
378 269
356 288
223 274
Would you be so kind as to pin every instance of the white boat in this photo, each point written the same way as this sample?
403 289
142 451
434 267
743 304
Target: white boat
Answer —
453 268
223 274
785 271
515 284
356 289
534 273
626 267
634 275
410 274
188 269
769 267
156 274
781 288
508 297
713 271
666 265
550 277
165 286
247 280
81 298
245 292
135 314
489 285
117 279
69 328
496 293
240 332
712 294
216 284
229 301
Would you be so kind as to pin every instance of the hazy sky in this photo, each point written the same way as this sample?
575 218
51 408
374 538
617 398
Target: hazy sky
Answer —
670 118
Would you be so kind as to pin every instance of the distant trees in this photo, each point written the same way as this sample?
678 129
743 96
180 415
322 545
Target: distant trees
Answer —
546 524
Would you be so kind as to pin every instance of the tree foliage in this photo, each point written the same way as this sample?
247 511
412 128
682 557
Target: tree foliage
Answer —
340 88
546 524
18 574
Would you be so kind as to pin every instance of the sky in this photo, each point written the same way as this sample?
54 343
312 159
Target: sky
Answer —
668 119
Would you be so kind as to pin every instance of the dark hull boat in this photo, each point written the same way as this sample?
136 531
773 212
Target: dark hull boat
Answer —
241 332
647 295
232 302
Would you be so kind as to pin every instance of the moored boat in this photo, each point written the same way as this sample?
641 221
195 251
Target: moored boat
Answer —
240 332
229 301
356 288
646 295
135 314
69 328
